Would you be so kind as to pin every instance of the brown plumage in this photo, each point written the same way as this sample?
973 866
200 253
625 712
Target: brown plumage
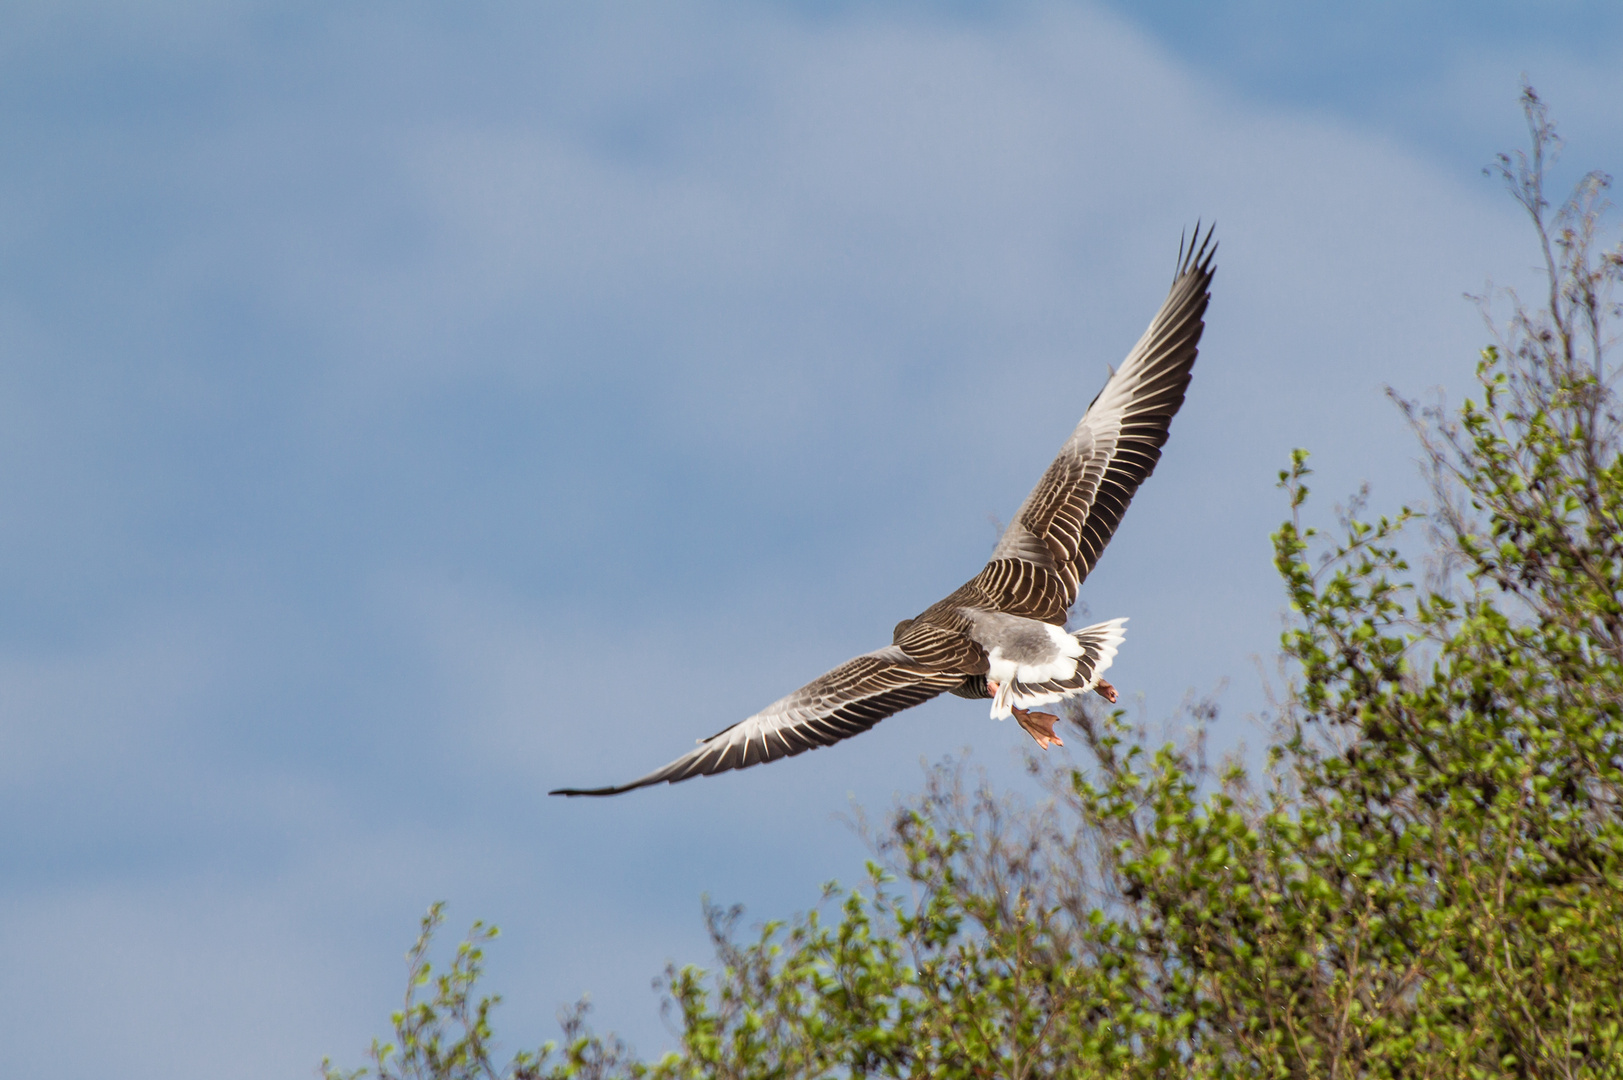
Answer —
1000 634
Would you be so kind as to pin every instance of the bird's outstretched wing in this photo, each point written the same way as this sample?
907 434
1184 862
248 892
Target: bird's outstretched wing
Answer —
1063 526
847 701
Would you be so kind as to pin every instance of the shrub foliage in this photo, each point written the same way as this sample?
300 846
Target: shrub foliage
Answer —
1425 879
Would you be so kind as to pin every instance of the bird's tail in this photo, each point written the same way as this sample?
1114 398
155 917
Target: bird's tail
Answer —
1099 645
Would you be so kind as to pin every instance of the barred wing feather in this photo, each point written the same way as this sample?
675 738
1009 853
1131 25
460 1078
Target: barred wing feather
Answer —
845 702
1061 529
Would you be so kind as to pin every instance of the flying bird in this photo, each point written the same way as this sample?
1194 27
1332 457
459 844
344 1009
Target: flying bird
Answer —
1002 635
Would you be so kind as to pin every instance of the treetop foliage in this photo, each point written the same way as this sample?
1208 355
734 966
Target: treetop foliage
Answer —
1425 880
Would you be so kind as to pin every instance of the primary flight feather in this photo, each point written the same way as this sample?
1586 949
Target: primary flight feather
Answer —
1002 634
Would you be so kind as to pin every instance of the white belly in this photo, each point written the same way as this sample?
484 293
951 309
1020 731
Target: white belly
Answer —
1034 653
1023 654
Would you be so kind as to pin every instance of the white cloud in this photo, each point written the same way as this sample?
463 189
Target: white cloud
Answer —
806 300
82 715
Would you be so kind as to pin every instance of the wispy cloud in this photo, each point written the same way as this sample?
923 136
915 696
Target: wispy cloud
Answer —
404 414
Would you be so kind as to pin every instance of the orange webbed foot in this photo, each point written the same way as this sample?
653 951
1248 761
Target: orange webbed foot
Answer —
1040 726
1106 691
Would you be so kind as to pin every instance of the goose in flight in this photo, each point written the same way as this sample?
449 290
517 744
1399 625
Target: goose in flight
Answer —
1002 635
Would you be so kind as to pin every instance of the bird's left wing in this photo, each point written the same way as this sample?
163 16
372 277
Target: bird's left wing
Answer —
847 701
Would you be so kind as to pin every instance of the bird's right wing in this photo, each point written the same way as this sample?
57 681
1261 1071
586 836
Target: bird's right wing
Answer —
847 701
1062 528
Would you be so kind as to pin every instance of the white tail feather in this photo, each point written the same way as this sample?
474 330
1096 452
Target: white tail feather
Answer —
1099 641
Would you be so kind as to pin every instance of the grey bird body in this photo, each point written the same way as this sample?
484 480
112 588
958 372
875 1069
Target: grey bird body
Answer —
1002 633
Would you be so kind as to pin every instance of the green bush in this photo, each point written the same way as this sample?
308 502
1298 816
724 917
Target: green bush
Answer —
1423 881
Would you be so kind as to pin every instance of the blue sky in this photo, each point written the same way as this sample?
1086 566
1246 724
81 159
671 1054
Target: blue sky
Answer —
405 410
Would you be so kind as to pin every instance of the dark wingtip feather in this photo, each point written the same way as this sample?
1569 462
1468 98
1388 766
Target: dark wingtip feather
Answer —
1196 254
572 792
670 774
